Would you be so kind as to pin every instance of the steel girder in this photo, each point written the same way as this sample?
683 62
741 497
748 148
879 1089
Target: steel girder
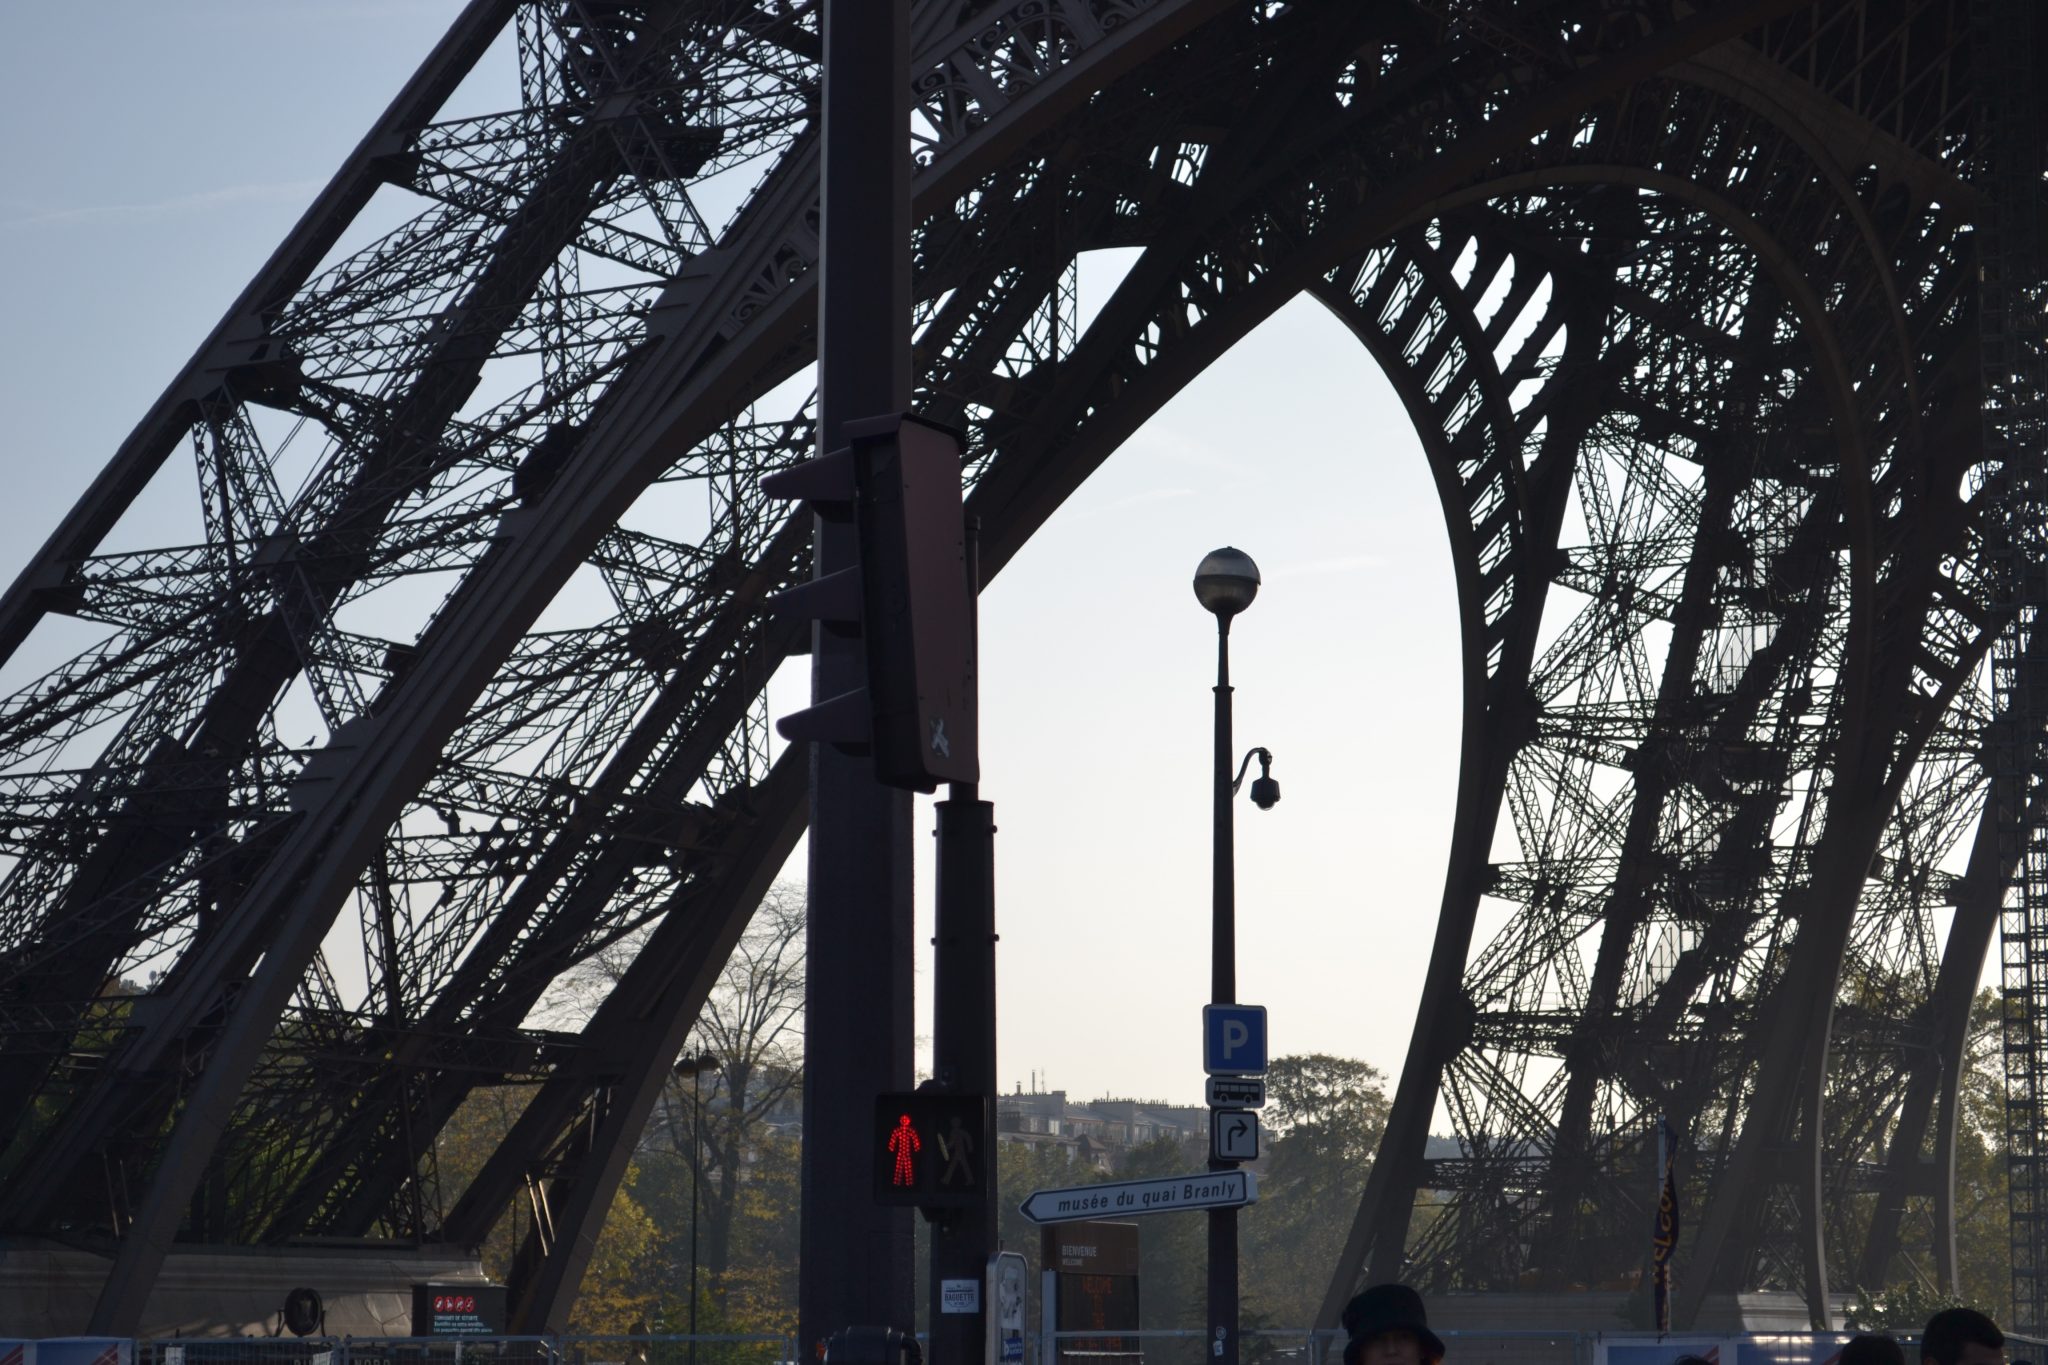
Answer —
1679 298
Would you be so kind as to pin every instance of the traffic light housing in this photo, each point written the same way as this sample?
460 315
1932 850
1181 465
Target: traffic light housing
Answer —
908 599
931 1150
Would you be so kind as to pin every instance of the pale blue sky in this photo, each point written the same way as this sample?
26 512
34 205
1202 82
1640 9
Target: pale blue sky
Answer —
152 154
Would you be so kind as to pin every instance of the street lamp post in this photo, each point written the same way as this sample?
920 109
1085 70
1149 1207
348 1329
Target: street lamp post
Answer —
694 1065
1225 584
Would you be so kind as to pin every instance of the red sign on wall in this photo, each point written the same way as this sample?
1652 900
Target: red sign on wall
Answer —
451 1310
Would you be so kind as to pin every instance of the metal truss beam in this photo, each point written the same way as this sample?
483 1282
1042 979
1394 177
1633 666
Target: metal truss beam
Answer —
1675 304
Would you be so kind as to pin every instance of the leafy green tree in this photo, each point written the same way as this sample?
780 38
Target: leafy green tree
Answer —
714 1151
757 1293
1983 1218
1020 1169
710 1158
465 1143
753 1024
622 1285
1173 1247
1325 1117
759 1283
1333 1106
1900 1308
621 1288
1911 1293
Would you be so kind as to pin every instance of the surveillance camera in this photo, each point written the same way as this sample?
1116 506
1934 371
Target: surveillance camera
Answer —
1265 793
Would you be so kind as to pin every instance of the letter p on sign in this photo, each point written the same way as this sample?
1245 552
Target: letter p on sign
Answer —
1234 1040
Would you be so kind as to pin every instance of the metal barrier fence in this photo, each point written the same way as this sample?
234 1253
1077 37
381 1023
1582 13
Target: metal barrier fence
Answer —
1182 1346
1298 1346
1301 1346
240 1351
705 1349
447 1351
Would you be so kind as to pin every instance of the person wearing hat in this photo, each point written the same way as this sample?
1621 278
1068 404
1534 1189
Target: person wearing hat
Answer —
1386 1325
1961 1336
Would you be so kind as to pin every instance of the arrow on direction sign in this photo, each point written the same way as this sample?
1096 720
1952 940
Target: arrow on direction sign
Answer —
1233 1135
1124 1198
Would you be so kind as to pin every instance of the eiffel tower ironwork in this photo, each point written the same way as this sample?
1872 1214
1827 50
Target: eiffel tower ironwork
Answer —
1721 326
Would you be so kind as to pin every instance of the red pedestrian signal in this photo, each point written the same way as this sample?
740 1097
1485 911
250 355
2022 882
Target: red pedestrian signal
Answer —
931 1150
904 1144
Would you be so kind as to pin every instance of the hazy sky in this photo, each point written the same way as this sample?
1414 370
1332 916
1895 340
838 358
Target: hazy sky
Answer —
152 154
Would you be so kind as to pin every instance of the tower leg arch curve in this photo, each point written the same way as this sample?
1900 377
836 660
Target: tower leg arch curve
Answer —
1127 389
1492 681
1955 674
1568 1148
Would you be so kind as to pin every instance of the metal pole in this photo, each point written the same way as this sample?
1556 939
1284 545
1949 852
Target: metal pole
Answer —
696 1205
855 1260
1223 991
1223 927
964 1021
1660 1287
964 1047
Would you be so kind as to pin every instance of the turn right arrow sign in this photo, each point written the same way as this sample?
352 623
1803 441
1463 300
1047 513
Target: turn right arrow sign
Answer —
1233 1135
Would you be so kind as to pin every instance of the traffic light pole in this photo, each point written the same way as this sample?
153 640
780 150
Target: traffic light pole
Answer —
964 1053
856 1255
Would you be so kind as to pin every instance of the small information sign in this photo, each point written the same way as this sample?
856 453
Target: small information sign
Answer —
1234 1040
1091 1272
1234 1135
1004 1344
1237 1092
458 1310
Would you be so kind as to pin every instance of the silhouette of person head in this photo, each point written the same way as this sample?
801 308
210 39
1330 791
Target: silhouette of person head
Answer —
1962 1336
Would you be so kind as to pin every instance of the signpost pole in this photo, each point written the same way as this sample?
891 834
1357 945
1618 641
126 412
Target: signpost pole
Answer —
964 1054
1048 1317
1226 581
1223 991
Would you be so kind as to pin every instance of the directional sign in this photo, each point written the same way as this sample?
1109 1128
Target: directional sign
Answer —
1233 1135
1124 1198
1234 1040
1237 1092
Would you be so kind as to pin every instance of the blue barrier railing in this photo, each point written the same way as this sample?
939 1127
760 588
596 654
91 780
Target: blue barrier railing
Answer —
1179 1346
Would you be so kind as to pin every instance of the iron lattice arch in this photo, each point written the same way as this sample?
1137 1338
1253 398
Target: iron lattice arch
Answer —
1683 299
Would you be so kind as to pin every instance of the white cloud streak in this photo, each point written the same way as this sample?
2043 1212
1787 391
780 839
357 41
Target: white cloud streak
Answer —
178 205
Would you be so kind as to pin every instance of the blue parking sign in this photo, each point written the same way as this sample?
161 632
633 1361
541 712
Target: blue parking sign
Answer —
1234 1040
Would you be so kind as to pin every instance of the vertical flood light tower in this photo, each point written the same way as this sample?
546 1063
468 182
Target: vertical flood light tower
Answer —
1721 327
